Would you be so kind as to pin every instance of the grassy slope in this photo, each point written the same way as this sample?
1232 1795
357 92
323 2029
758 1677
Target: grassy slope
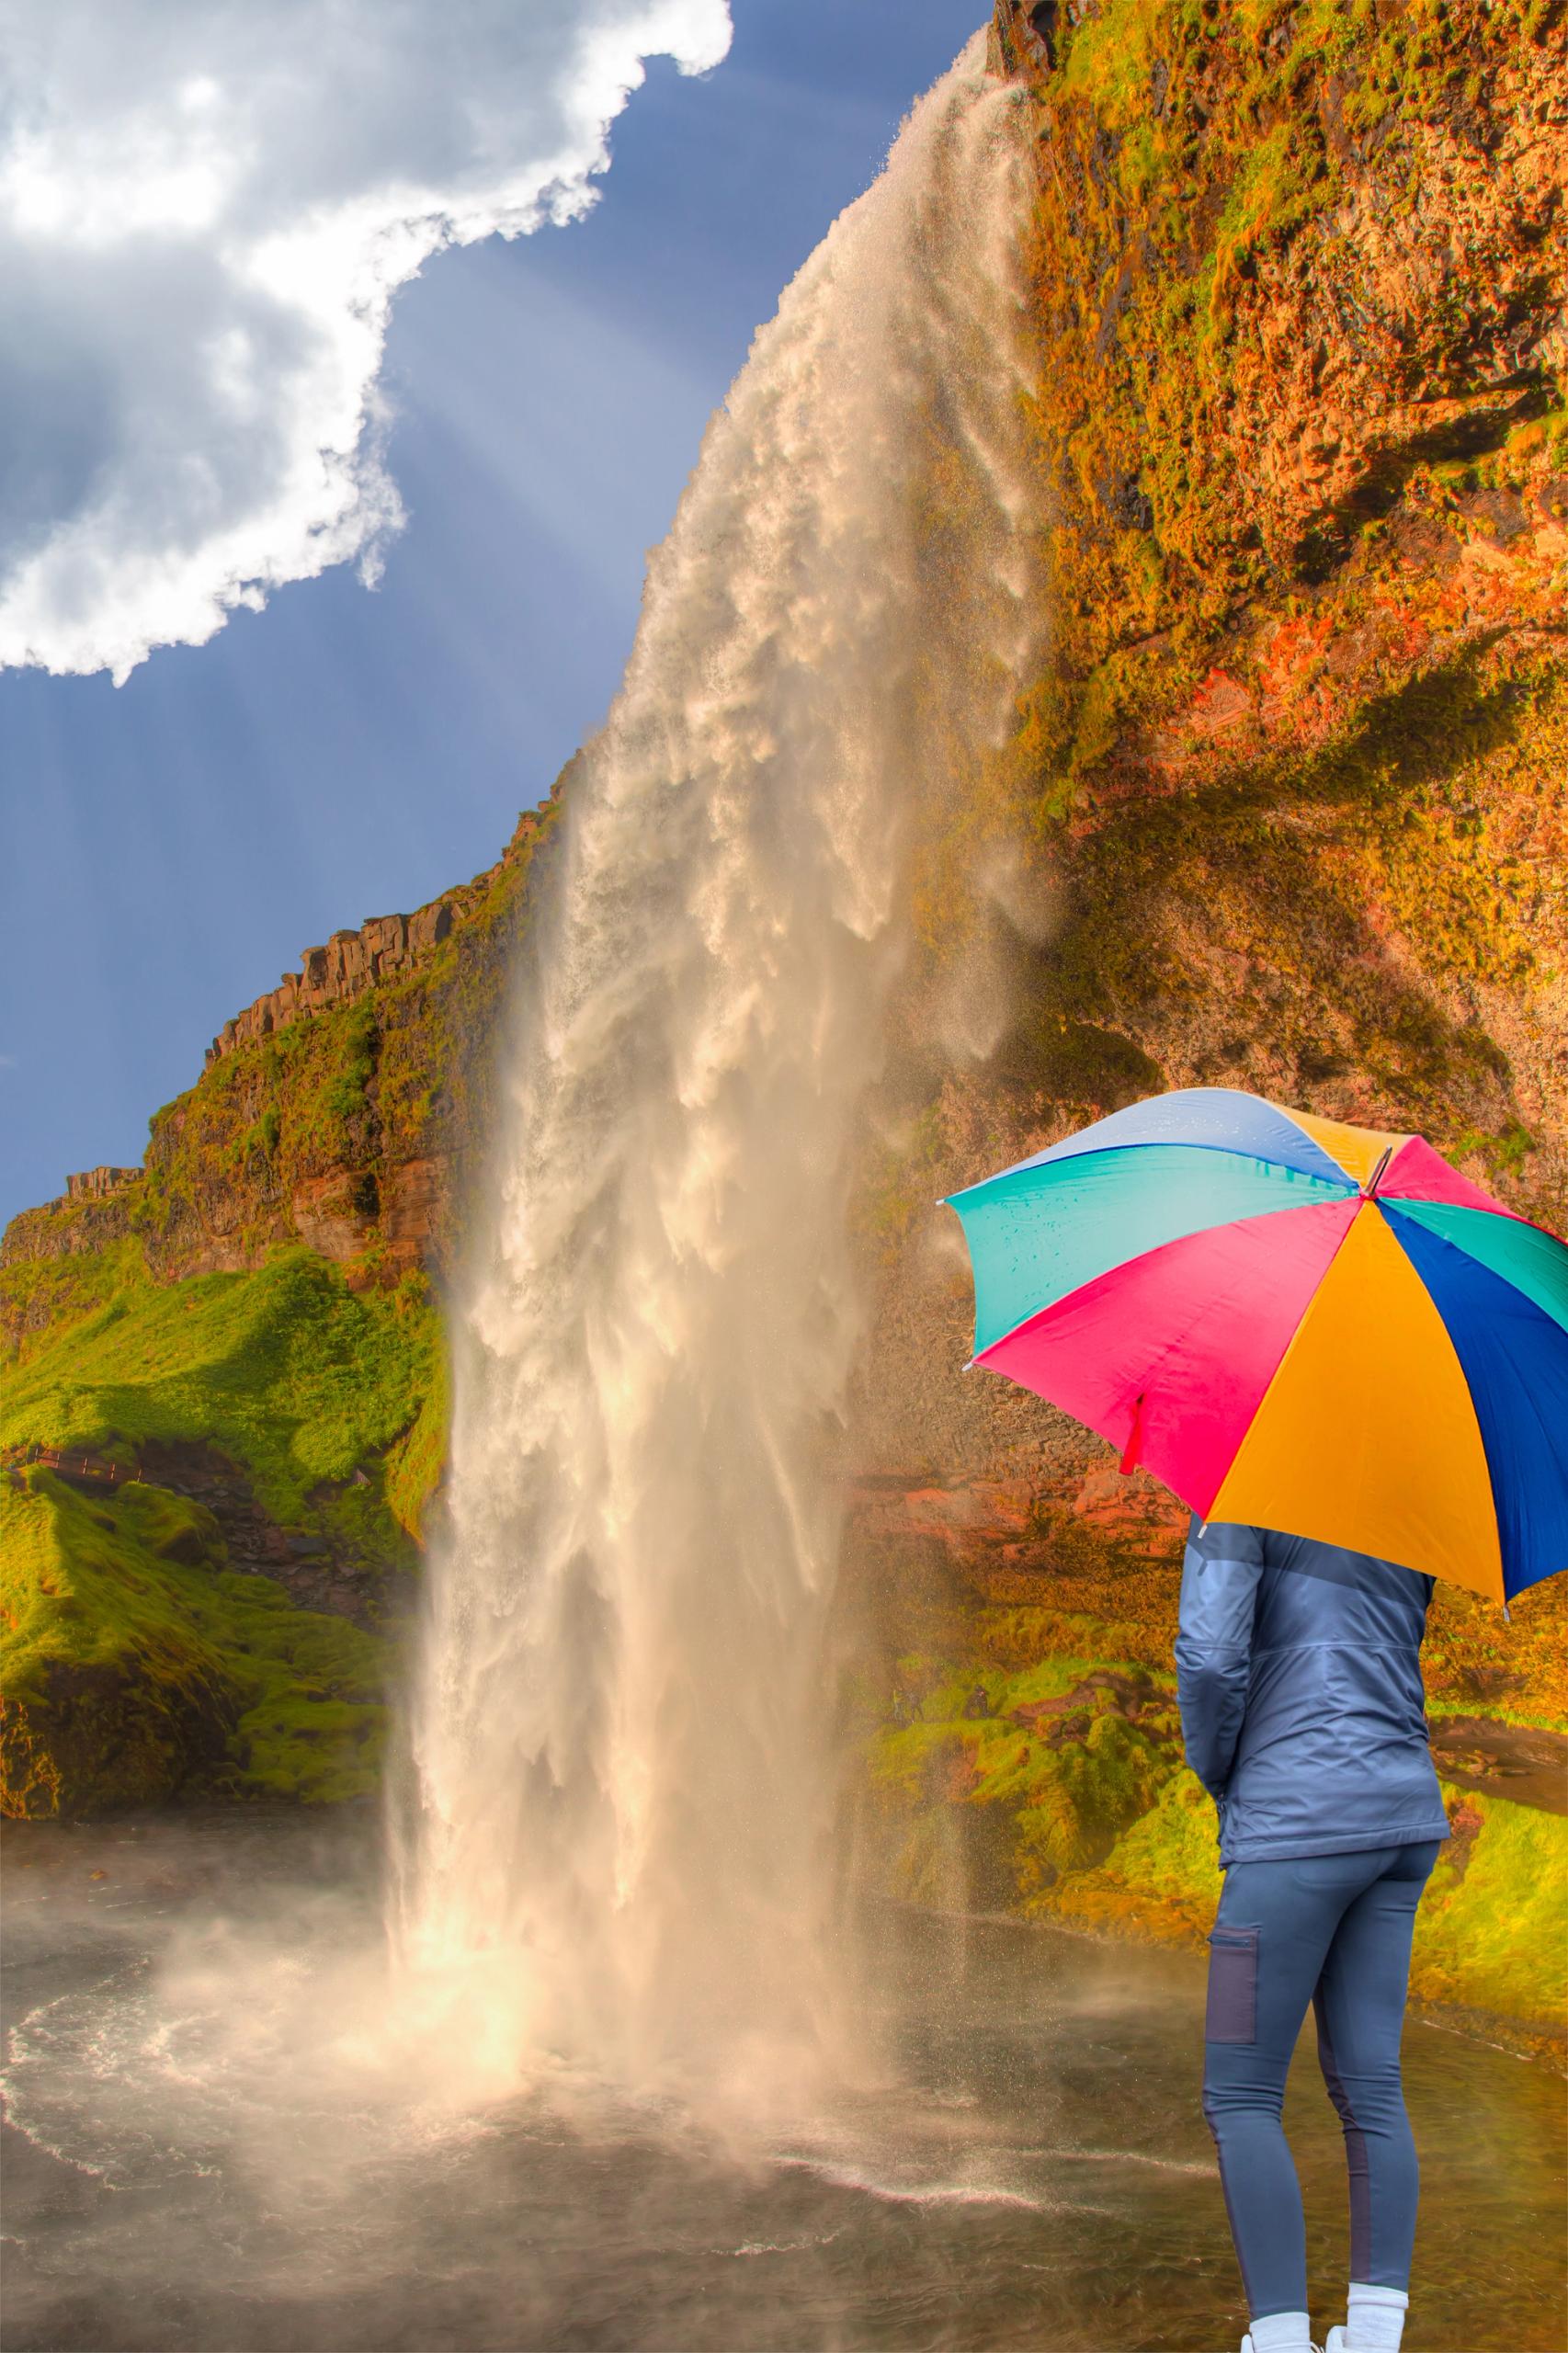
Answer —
134 1663
185 1308
1108 1831
137 1666
285 1368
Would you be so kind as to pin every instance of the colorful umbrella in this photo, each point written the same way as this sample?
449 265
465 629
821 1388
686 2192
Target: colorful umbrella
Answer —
1295 1325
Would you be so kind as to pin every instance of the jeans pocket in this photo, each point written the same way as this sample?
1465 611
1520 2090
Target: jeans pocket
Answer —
1232 2013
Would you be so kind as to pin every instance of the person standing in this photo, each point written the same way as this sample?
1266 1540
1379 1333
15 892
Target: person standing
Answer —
1302 1713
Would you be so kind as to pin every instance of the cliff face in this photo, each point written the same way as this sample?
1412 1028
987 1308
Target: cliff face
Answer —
383 948
236 1343
1284 807
344 1111
1287 807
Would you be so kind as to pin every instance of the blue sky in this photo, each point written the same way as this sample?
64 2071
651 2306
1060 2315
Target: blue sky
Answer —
174 841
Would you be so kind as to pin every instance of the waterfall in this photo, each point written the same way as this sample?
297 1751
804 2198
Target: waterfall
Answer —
615 1824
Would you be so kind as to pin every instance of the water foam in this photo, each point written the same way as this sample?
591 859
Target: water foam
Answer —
612 1843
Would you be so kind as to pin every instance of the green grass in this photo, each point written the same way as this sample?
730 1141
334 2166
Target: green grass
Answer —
286 1369
39 1296
1050 1811
416 1460
1494 1934
137 1666
1110 1832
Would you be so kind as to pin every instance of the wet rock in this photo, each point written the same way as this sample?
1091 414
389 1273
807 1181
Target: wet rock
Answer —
1522 1762
88 1738
304 1562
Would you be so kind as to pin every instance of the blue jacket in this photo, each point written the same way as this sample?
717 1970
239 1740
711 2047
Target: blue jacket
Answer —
1303 1711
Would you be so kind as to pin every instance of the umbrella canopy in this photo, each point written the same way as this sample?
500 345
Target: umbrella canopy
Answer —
1295 1325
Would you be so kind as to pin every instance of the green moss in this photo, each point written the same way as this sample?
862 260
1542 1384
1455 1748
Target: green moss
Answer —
136 1666
1085 1815
415 1465
346 1094
1093 1789
1055 1788
286 1369
1274 191
314 1725
1490 1931
1166 1863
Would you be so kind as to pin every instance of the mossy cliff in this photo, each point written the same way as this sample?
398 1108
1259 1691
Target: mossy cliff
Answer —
246 1328
354 1130
203 1594
1283 807
137 1660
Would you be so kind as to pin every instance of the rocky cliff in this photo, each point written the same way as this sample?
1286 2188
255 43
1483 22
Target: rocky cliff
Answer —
235 1346
1284 807
344 1109
1287 807
351 962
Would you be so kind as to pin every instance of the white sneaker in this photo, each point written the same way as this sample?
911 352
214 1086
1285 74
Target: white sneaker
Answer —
1335 2343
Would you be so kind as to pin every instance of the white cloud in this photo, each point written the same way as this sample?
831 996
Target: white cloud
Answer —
206 207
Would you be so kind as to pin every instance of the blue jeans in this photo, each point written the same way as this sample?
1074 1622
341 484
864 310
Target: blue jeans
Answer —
1333 1930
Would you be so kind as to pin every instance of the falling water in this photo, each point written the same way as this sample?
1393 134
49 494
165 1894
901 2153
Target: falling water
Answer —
621 1755
224 2125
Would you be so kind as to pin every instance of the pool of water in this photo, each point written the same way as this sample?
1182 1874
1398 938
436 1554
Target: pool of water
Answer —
209 2147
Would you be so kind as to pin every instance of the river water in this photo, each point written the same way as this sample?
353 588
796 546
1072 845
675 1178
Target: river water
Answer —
217 2141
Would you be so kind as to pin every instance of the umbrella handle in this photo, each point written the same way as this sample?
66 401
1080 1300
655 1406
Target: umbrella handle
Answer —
1369 1189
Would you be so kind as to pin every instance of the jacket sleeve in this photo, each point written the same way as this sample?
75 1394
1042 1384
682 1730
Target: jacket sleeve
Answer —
1219 1594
